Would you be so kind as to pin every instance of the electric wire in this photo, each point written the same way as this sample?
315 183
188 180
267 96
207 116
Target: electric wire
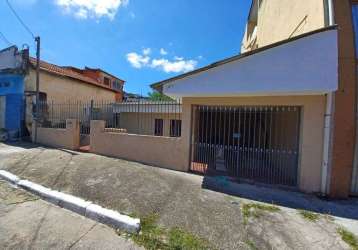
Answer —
20 20
3 37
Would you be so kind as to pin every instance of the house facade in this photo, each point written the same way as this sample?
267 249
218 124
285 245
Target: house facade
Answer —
58 84
269 23
62 84
12 73
282 112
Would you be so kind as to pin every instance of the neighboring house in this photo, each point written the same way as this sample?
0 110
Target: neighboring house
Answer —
62 84
12 72
149 117
282 112
104 78
59 84
130 97
69 85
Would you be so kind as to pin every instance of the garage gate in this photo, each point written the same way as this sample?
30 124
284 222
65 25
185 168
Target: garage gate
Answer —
255 143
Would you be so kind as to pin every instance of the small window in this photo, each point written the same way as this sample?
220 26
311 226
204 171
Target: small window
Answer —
175 128
106 81
117 85
158 127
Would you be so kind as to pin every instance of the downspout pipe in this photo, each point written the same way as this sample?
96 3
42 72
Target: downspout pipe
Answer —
327 139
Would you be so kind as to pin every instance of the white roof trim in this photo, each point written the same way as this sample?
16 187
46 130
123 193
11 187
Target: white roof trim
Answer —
306 66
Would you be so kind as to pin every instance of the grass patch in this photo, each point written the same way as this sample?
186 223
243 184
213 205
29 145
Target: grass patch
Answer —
256 210
251 244
153 237
348 238
309 215
179 239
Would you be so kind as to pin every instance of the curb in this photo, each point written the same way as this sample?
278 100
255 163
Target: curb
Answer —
9 177
86 208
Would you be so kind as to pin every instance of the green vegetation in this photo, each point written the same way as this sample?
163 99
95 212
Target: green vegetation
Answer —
153 237
349 238
256 210
156 96
309 215
179 239
251 244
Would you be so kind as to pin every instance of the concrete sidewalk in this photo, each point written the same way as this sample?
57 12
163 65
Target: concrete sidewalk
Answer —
29 223
182 200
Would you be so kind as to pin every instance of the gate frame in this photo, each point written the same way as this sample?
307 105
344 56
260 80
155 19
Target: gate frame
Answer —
194 124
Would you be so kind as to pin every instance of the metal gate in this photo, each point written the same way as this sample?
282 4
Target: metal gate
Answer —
256 143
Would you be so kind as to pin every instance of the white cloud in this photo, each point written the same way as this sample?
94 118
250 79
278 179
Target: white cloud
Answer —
147 51
178 65
84 9
137 61
81 14
163 52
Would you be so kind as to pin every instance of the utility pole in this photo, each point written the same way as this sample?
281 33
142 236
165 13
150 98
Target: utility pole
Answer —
38 43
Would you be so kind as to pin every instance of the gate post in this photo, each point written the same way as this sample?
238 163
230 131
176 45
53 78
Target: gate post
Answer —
73 131
97 128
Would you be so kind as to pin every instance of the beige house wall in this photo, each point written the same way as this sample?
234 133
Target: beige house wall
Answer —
312 123
63 89
282 19
68 138
166 152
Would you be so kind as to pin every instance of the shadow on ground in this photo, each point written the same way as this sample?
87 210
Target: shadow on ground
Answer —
341 208
21 144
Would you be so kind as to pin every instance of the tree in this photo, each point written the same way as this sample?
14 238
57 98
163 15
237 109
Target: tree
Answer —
156 96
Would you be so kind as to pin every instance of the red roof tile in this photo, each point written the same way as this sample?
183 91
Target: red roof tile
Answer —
62 71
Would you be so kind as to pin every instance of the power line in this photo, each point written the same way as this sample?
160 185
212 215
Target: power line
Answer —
20 20
3 37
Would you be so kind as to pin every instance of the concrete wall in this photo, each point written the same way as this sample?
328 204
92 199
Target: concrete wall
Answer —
146 122
312 122
10 58
166 152
68 138
282 19
345 101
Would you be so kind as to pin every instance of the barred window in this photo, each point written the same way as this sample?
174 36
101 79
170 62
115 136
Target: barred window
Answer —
175 128
158 127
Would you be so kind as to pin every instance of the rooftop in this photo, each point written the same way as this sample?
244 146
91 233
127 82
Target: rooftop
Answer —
68 72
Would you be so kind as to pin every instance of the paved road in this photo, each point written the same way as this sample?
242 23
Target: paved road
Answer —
29 223
181 200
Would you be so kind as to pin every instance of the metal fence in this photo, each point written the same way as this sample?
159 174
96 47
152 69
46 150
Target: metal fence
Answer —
253 143
141 117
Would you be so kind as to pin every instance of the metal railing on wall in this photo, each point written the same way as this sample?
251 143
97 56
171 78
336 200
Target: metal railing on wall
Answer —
144 117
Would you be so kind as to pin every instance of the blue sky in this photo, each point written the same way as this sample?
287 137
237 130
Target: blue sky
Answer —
140 41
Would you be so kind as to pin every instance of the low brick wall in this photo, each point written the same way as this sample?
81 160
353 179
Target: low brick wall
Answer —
166 152
68 138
